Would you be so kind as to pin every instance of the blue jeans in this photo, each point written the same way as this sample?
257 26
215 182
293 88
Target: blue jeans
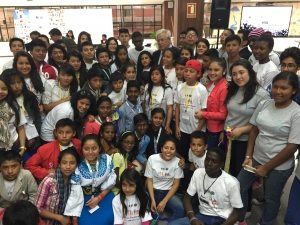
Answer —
207 220
292 216
174 206
212 139
273 186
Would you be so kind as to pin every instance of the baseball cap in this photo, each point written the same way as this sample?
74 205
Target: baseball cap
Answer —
194 64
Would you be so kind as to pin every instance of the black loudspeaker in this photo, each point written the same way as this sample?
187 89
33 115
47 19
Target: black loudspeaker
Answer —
220 11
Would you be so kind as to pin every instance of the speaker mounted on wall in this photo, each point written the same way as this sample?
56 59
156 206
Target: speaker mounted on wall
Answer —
220 12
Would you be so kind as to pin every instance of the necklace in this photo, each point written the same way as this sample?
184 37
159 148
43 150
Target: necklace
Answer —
206 190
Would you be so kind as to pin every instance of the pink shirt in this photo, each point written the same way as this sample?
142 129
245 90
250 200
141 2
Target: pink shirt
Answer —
216 111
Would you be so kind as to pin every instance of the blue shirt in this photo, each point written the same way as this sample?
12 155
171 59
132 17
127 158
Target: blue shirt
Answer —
143 144
127 112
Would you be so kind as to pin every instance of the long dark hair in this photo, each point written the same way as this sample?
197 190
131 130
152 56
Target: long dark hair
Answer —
50 50
68 69
107 44
133 153
34 76
10 99
250 88
290 77
164 84
117 61
31 103
78 120
132 176
139 66
91 137
79 36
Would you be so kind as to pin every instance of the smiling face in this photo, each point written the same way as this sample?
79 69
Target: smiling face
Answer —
128 143
57 55
168 58
104 109
198 146
282 93
201 48
112 46
75 63
16 46
65 79
128 187
215 72
240 75
157 120
130 73
261 50
168 150
23 65
90 151
83 105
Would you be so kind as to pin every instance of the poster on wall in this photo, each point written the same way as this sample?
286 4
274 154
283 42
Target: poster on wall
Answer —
275 19
43 20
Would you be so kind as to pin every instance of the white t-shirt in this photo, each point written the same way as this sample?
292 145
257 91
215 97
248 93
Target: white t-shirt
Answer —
191 99
273 57
134 54
163 172
118 97
197 161
160 98
171 77
61 111
53 92
265 73
217 196
8 64
277 127
89 65
133 207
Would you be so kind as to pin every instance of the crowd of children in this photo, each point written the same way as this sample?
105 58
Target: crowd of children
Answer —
120 134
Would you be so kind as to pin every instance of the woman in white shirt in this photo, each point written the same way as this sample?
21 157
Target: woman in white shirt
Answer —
163 178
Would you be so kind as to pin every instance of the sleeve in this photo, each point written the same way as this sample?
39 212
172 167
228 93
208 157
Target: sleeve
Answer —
203 97
118 160
295 128
267 80
75 201
121 122
148 171
142 149
235 195
191 156
192 189
169 96
118 211
221 112
32 187
23 120
46 97
111 177
178 171
258 109
43 193
91 128
177 95
33 164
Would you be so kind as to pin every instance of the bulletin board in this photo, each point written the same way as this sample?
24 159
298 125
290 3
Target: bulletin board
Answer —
94 21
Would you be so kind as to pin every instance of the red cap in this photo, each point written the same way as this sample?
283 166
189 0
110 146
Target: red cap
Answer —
194 64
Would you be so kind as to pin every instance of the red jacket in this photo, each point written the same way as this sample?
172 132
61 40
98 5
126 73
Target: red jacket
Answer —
46 158
216 110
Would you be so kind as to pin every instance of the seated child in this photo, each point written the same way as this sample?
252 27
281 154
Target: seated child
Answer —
107 138
45 160
130 107
118 95
94 83
105 114
15 183
131 205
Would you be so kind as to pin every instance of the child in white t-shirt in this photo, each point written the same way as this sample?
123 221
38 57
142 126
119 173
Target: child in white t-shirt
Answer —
197 151
130 205
118 95
190 97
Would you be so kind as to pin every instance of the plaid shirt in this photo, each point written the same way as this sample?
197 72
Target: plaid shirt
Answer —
47 196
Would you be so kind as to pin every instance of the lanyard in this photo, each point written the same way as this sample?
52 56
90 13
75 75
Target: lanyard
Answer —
206 190
155 140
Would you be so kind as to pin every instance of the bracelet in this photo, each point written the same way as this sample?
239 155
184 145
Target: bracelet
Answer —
190 211
248 157
193 218
22 148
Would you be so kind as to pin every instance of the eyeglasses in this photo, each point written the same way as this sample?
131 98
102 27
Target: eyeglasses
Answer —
289 65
